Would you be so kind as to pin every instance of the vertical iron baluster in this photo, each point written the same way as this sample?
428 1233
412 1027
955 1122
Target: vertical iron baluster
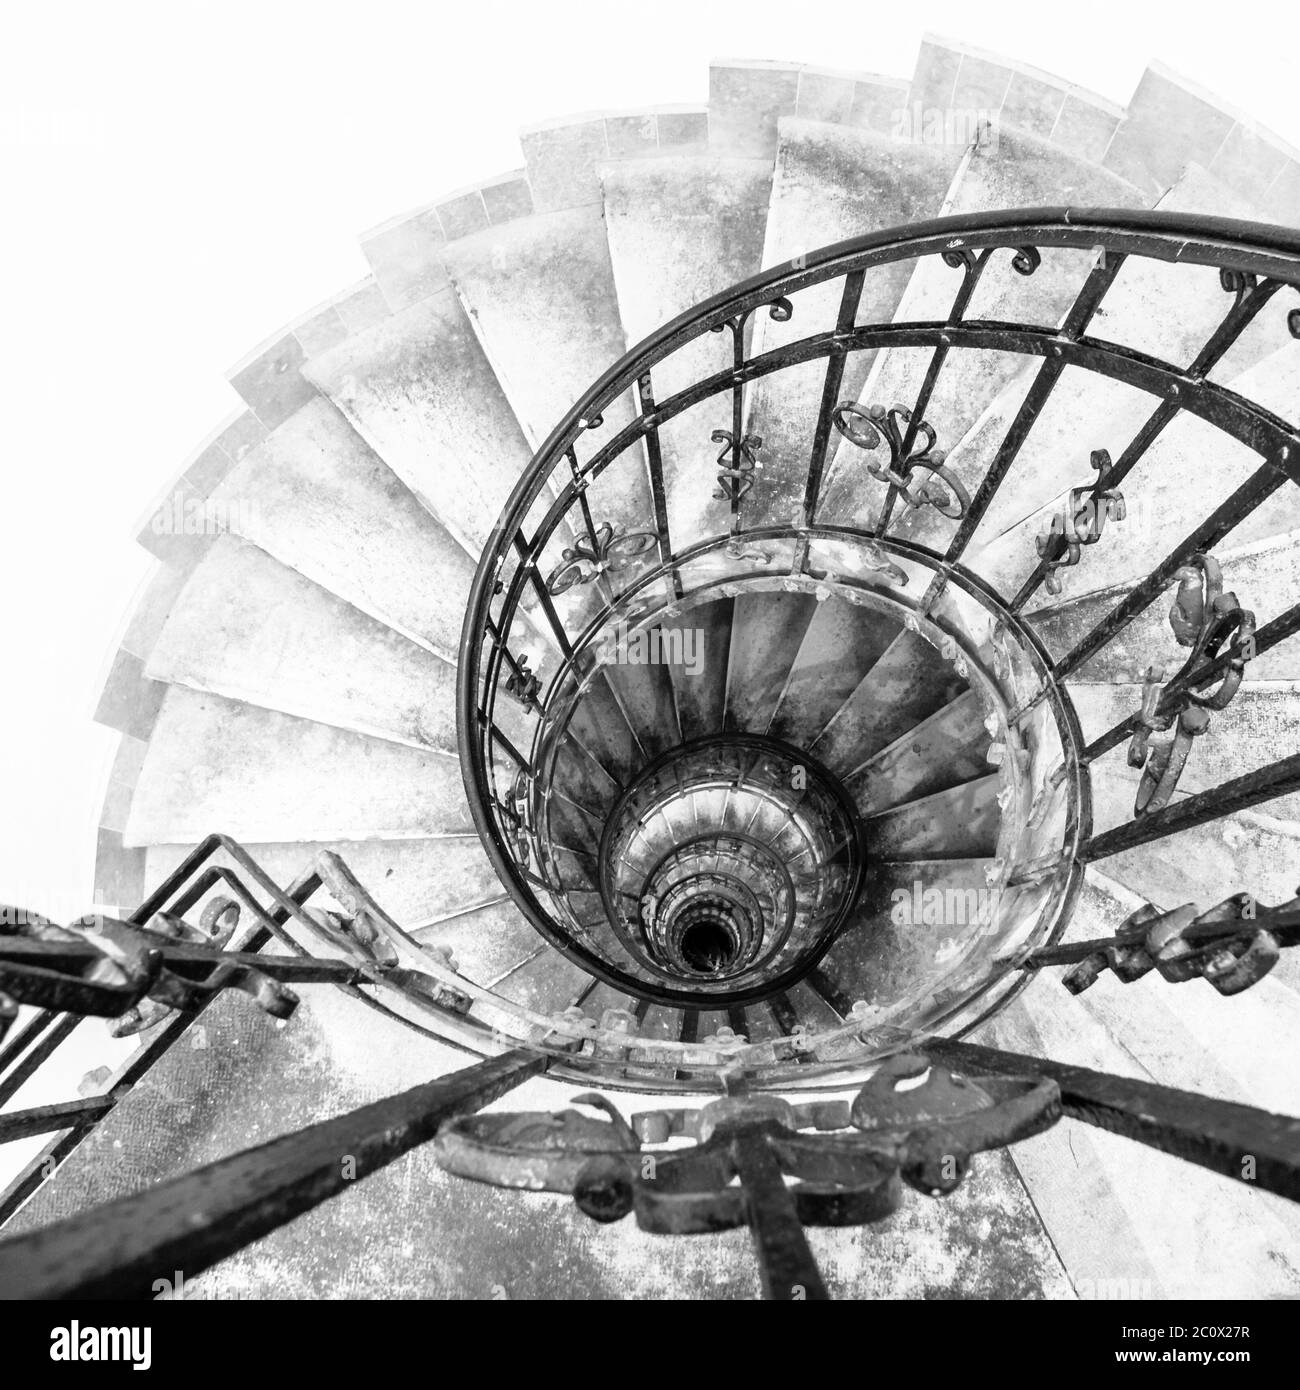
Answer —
1250 299
1072 327
524 549
580 488
972 268
655 462
848 313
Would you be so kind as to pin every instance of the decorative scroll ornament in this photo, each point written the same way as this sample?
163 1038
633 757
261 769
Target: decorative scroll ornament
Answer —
514 812
1081 522
1232 945
522 684
1207 620
866 428
736 464
739 549
583 562
216 926
874 560
914 1120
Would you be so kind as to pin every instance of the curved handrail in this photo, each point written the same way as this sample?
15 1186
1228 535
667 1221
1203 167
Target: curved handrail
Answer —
1240 251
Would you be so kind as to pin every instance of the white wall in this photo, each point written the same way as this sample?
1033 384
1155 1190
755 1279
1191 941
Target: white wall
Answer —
178 180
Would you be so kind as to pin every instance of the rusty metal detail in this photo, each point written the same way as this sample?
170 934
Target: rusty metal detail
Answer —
1208 621
1081 521
1232 945
217 925
911 448
607 551
914 1122
105 968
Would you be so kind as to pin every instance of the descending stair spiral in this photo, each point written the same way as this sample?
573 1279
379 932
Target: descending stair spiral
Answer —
469 498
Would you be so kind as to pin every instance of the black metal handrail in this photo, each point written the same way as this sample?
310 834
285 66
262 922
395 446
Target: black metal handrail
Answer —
1254 261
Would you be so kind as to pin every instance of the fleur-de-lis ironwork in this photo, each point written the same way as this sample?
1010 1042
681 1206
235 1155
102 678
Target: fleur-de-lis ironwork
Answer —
736 464
607 550
1081 522
1208 621
866 428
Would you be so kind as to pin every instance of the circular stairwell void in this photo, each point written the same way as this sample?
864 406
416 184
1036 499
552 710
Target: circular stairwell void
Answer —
730 834
756 843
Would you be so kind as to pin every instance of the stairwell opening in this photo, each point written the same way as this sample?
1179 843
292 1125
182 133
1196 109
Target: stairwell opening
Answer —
746 852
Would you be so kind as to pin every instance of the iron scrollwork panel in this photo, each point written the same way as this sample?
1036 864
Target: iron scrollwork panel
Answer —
1207 620
914 1122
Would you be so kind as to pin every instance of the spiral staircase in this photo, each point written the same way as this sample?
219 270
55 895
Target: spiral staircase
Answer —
790 665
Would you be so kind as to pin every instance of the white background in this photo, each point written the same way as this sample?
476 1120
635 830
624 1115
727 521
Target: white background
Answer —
179 180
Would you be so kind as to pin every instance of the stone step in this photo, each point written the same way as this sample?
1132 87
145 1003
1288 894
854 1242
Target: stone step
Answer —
541 298
915 918
249 628
841 643
406 253
831 182
215 764
1166 497
419 390
414 881
959 823
944 750
485 943
645 694
1265 577
1169 310
909 683
564 155
748 99
766 634
1116 1210
955 84
321 501
542 980
1014 170
681 229
701 693
1171 122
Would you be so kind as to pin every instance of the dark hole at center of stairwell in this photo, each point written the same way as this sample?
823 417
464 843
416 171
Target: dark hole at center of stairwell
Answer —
707 946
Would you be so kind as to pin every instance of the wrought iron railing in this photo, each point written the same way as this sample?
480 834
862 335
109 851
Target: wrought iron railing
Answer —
568 557
527 646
